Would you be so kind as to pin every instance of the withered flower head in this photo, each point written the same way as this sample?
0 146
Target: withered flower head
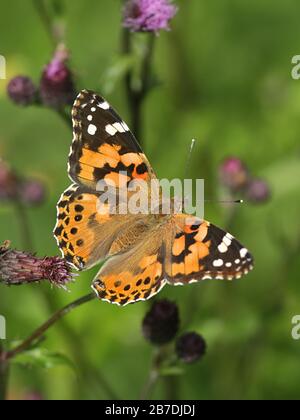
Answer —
18 268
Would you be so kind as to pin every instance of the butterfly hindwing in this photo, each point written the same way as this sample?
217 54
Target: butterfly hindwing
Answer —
135 275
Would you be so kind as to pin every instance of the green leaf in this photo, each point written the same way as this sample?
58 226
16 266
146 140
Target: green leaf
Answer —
171 371
43 358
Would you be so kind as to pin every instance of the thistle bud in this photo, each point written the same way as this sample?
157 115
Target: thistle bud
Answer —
234 174
57 87
190 347
22 91
258 191
161 323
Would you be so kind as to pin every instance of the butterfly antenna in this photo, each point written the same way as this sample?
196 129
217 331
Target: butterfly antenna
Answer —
225 201
186 171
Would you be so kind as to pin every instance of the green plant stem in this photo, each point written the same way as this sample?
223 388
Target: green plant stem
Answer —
159 357
25 231
172 388
55 30
65 116
26 344
89 373
45 18
38 335
136 96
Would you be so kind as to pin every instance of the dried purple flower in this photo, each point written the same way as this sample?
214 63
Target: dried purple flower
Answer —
22 91
190 347
57 87
258 191
32 192
148 15
161 323
18 268
234 174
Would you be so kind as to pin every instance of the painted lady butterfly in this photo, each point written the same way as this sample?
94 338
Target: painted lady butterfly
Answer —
143 252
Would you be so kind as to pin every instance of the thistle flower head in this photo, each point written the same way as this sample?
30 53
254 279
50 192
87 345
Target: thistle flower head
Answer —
22 91
161 323
234 174
148 15
17 268
57 87
32 192
258 191
190 347
14 188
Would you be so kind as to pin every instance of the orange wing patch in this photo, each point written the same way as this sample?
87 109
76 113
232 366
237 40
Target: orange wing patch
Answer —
128 286
75 213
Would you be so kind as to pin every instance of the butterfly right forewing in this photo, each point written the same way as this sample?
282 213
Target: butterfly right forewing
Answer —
202 251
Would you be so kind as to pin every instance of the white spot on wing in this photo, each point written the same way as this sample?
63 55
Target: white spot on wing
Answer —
243 252
111 130
119 127
104 105
227 240
92 129
223 248
218 263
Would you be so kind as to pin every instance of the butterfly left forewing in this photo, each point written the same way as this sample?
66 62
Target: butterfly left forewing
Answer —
87 228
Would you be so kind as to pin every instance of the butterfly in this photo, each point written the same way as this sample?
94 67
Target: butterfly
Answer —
141 252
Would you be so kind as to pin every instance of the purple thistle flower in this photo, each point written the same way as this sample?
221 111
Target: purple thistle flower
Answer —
148 15
22 91
57 87
32 192
17 268
234 174
258 191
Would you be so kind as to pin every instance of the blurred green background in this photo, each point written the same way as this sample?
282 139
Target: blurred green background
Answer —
225 72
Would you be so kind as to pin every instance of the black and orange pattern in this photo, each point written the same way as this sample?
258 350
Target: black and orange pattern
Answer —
144 252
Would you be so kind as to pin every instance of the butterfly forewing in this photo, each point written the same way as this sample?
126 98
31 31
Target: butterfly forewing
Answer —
203 251
103 147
